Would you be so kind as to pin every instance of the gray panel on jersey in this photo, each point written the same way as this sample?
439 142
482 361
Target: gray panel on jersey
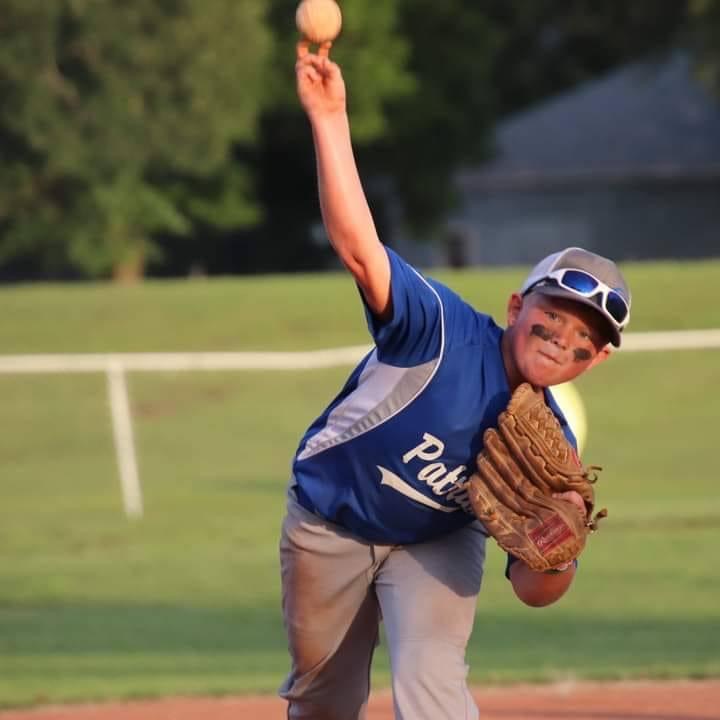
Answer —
382 391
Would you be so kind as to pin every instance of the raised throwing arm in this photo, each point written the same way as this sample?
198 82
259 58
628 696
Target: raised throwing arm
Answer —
346 214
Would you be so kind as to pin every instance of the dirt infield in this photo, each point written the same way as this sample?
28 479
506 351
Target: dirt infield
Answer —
566 701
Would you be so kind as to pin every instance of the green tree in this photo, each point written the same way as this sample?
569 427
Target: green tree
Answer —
373 50
547 46
705 33
477 62
446 121
469 64
106 102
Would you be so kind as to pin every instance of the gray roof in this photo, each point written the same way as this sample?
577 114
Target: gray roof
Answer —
650 119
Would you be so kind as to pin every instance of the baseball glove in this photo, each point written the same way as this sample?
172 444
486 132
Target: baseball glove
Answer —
523 462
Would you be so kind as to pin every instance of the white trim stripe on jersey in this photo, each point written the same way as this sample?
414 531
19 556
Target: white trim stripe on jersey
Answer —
383 391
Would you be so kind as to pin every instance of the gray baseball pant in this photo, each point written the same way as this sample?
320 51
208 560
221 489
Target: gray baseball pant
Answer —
335 590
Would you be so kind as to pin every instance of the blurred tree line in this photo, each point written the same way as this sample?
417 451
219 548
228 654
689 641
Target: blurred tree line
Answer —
164 137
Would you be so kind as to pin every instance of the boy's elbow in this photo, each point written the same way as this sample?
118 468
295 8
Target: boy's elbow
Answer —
539 589
534 597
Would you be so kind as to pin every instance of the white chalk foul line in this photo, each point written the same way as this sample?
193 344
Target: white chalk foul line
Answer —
115 366
310 360
672 340
169 362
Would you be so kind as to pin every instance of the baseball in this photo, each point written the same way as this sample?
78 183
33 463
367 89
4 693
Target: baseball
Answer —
318 21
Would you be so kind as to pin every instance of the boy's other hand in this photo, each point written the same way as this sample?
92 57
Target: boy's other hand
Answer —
574 498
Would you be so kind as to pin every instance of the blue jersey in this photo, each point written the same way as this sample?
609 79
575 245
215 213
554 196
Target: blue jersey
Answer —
390 457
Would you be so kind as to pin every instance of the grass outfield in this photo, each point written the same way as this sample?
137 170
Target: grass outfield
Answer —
187 599
298 312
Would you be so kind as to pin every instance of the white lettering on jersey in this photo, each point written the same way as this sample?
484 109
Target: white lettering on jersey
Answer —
443 482
397 483
423 450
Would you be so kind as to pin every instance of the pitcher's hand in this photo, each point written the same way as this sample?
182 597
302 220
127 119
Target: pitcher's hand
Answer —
574 498
320 84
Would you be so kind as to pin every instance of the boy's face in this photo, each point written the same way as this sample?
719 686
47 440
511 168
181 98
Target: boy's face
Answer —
554 339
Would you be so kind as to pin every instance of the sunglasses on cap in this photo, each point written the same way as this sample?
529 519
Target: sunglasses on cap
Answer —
586 285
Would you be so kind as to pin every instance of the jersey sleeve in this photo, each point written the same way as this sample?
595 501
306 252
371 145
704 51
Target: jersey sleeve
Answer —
415 332
509 563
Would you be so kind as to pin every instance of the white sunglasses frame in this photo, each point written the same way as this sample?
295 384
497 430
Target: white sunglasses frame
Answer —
602 288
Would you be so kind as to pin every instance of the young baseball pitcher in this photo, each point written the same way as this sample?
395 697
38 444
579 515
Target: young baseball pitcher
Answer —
379 525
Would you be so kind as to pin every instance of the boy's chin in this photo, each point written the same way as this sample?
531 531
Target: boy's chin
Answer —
543 377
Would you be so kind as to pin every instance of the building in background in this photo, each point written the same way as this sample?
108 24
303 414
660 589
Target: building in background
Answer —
627 165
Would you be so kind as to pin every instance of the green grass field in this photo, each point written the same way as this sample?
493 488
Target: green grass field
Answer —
186 600
298 312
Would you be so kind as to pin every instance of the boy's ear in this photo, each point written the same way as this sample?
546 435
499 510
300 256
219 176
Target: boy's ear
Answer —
514 307
602 356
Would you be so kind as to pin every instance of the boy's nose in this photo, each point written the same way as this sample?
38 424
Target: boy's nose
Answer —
561 338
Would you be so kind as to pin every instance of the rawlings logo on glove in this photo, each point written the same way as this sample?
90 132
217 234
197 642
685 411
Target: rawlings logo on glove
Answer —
523 463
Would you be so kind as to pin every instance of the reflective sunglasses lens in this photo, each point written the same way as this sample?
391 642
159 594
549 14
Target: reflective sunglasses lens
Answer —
579 281
617 307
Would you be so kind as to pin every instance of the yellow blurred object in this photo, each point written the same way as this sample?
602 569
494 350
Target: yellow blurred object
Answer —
570 402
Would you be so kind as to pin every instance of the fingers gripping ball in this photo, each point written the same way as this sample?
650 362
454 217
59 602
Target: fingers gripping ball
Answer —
319 21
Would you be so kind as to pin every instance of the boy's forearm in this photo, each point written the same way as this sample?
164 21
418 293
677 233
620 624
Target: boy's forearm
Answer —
345 210
538 589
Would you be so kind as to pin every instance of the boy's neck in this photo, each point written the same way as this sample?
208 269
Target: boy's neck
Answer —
511 371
